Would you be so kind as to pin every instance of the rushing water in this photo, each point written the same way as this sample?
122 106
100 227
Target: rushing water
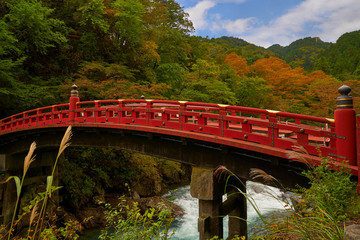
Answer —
266 198
186 226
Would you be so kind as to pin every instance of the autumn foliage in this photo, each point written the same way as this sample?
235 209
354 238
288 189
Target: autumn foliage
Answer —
128 48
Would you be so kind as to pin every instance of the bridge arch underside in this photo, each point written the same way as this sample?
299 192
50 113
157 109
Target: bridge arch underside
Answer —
197 153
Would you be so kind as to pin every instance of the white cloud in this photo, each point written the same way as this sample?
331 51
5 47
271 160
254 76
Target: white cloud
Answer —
327 19
341 21
229 1
198 13
238 26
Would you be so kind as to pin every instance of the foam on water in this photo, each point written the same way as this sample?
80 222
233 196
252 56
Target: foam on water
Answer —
266 199
186 226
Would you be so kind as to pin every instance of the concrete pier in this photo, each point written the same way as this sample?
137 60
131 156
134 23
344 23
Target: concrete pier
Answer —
209 191
35 178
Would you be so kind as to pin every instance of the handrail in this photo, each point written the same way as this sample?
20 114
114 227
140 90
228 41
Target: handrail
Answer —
271 128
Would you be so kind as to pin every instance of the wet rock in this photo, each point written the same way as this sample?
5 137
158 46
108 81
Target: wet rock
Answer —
352 232
160 203
95 216
136 196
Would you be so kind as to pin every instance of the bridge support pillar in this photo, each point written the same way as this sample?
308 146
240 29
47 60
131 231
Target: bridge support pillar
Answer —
237 214
204 188
209 190
34 182
9 189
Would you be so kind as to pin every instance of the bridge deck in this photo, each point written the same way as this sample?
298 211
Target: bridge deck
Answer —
265 131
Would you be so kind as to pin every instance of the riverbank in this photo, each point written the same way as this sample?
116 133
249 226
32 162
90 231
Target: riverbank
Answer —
100 176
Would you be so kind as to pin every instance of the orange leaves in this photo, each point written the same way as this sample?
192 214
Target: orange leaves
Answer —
111 12
269 67
238 63
312 93
322 94
148 53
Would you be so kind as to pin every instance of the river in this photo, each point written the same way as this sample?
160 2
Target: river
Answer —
266 198
186 226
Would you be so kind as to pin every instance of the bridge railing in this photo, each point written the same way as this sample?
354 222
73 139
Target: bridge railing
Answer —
271 128
35 118
235 125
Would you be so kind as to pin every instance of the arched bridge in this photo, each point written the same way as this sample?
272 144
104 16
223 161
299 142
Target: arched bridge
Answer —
202 134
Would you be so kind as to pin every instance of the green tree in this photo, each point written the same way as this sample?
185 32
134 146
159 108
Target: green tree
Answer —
253 92
129 25
34 28
93 28
7 62
171 74
15 95
204 84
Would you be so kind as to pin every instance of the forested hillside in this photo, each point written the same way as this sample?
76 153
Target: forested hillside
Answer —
302 52
342 59
127 48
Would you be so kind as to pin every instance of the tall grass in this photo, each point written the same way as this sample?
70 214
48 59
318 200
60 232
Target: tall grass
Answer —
29 158
65 142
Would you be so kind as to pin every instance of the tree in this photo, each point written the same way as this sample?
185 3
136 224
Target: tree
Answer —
238 63
93 28
173 75
100 80
322 94
8 65
177 18
129 25
7 62
203 84
32 25
253 92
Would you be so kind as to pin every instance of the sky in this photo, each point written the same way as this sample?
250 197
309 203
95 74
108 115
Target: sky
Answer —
268 22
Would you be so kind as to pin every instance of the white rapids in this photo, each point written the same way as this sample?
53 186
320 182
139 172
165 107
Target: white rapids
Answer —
265 197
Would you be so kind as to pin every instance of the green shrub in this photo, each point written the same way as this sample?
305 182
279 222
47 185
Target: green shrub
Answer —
332 190
126 222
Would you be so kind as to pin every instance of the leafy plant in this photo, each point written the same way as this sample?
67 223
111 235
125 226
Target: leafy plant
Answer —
129 223
330 189
322 206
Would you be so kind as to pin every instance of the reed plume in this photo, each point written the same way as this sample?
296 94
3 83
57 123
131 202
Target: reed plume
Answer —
65 142
299 153
258 173
29 158
222 171
34 213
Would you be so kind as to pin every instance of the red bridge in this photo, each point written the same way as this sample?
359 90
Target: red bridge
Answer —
256 132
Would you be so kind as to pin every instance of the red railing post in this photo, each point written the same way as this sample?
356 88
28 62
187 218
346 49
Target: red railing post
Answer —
74 98
223 124
182 117
149 114
345 127
358 149
121 113
273 129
